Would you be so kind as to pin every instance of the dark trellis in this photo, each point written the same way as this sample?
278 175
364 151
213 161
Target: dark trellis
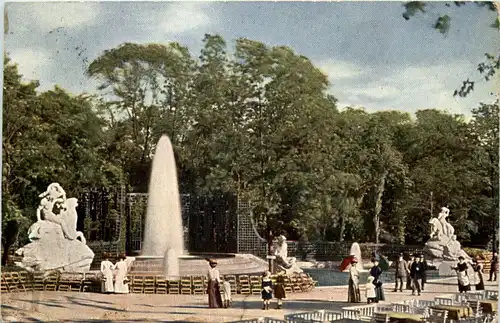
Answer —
213 223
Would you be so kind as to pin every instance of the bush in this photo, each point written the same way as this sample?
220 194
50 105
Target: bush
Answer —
474 252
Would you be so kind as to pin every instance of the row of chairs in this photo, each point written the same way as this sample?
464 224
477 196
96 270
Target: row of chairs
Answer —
146 284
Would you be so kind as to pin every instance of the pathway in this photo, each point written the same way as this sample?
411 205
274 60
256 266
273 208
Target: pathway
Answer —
94 307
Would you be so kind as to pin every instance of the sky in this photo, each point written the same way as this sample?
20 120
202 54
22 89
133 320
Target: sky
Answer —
373 57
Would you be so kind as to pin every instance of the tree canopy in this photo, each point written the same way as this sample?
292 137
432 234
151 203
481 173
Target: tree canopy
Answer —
257 121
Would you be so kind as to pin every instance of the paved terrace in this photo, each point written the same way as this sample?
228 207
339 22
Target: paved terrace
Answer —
95 307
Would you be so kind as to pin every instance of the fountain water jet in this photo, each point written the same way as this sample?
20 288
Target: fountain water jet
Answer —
163 250
356 251
164 234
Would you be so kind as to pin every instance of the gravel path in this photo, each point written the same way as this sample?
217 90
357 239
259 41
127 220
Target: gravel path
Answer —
94 307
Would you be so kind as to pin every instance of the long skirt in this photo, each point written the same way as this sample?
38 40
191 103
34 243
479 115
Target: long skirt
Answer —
354 296
379 291
279 291
463 288
107 281
214 297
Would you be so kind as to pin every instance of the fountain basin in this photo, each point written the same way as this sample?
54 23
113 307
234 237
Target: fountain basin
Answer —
196 264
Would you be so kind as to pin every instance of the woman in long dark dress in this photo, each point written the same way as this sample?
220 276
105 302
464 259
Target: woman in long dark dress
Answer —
354 295
478 274
462 275
213 290
376 272
267 290
279 289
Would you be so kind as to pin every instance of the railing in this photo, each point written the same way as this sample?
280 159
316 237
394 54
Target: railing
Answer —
312 317
366 311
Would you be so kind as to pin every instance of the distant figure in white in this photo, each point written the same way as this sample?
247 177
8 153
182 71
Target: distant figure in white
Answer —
122 268
107 268
281 252
226 294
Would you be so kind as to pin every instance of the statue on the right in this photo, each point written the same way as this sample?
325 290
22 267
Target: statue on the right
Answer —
443 244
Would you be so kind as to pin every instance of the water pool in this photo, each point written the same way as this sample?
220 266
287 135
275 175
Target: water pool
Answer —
329 277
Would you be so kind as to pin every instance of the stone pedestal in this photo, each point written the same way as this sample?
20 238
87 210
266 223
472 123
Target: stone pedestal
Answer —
445 268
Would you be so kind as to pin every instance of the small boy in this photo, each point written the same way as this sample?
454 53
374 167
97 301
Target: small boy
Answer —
226 294
371 297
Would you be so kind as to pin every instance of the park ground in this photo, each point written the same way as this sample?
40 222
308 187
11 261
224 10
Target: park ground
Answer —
95 307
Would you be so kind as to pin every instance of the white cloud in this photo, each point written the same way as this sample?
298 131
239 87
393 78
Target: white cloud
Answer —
182 17
412 88
31 62
339 70
51 15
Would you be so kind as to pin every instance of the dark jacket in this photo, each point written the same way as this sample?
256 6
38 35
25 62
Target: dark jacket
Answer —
417 270
401 268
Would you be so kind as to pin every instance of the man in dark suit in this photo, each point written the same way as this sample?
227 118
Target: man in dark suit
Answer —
494 267
416 273
424 272
402 271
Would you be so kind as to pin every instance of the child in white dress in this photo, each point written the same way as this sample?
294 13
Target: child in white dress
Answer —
371 297
226 294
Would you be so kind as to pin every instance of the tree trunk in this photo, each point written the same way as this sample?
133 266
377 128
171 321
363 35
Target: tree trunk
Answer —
5 255
378 204
342 227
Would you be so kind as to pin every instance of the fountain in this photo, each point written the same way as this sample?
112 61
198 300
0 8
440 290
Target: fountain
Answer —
163 250
164 234
356 252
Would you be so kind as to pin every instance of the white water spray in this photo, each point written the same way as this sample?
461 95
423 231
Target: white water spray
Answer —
163 233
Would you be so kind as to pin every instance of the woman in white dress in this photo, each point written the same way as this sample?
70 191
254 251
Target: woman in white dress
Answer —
107 268
121 281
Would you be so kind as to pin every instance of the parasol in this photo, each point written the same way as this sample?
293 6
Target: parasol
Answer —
346 262
384 263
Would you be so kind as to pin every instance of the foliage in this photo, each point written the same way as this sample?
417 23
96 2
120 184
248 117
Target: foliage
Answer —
257 121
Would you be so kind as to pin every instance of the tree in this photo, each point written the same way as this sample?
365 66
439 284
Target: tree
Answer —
47 137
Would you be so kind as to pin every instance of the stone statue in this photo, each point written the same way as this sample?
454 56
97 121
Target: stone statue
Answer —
443 244
283 261
55 242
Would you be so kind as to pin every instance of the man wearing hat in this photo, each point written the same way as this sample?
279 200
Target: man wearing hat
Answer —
402 271
213 289
416 273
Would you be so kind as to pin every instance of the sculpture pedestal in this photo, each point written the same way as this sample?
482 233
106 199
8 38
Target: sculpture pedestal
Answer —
445 268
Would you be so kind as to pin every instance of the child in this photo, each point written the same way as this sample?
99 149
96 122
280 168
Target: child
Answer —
267 290
279 289
371 297
226 294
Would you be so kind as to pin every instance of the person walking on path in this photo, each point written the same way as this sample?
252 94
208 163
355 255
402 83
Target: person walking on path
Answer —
376 273
213 289
354 295
478 274
494 267
462 275
267 290
279 289
416 273
408 278
402 271
424 273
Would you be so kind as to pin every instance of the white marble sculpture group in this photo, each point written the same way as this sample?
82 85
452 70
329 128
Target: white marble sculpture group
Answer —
283 261
443 244
55 242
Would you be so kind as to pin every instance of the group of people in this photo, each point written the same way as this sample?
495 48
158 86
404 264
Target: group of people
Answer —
373 287
114 276
464 279
414 271
219 290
